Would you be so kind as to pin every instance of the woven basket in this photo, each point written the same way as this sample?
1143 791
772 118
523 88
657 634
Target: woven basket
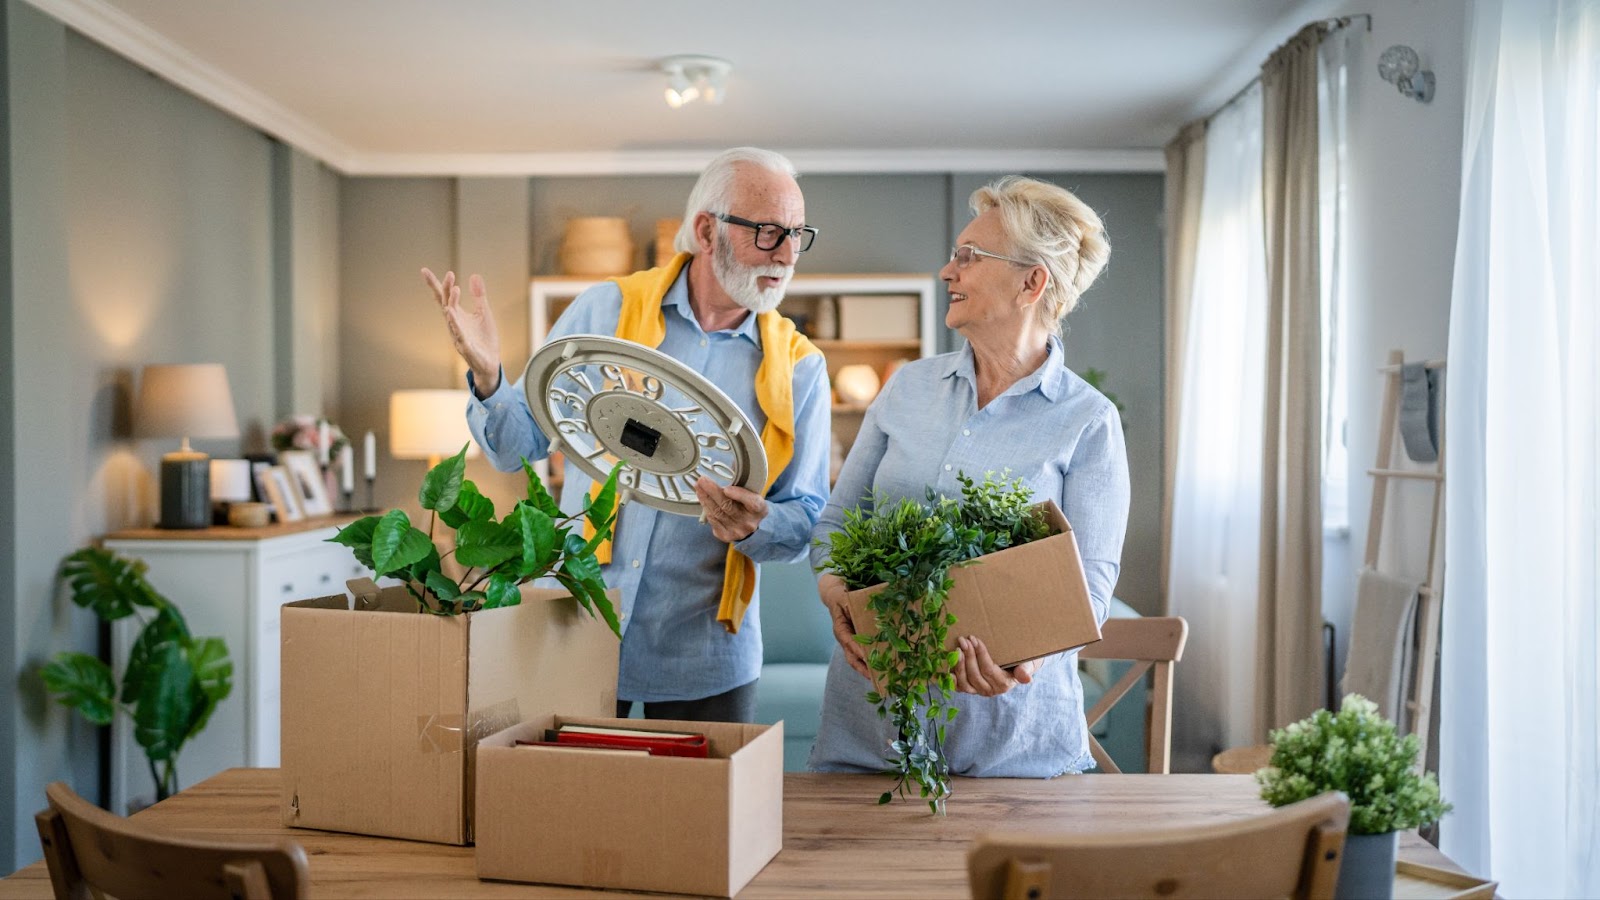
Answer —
596 246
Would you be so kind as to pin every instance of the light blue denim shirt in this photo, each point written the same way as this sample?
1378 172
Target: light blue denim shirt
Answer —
668 567
1064 439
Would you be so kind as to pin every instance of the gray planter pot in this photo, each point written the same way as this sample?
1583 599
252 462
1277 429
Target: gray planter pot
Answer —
1367 870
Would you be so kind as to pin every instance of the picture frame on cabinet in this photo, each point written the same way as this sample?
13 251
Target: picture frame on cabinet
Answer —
283 495
305 476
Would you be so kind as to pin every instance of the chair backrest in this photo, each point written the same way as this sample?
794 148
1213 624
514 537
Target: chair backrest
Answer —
1289 852
1153 644
90 850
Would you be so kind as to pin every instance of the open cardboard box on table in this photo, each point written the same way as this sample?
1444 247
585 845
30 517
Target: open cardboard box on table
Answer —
1022 602
607 819
382 704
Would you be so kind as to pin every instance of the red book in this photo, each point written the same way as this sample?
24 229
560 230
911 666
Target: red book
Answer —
658 743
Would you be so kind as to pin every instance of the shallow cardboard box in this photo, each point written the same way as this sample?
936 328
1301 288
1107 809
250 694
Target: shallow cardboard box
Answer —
877 317
627 820
1022 602
382 705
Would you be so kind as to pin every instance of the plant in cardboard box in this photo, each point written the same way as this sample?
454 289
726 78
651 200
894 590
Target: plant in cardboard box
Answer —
535 539
172 681
1357 751
910 548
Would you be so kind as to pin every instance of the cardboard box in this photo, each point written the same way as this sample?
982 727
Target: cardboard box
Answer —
627 820
1022 602
878 317
383 705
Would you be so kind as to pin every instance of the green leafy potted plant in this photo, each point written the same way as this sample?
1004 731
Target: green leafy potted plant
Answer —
1357 751
172 681
910 548
535 539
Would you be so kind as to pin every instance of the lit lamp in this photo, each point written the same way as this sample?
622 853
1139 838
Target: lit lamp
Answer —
185 401
429 424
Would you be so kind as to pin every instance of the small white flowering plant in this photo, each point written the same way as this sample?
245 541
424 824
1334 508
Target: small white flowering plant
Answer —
1357 751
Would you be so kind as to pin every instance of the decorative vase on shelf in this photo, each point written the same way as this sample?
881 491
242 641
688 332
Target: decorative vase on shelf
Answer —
596 246
1367 870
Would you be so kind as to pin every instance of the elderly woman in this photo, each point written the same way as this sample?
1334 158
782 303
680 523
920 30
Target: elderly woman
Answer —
1005 401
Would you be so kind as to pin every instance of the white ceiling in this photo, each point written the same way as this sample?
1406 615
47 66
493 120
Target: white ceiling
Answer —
530 86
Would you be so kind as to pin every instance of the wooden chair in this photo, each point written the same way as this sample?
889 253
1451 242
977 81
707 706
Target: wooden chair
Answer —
1151 643
91 852
1288 852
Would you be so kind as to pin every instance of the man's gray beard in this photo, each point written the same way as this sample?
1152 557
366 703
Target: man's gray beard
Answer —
740 280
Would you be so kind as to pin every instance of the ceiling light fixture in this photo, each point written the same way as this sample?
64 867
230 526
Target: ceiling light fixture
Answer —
691 78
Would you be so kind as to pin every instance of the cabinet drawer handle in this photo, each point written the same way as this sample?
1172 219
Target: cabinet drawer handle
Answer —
326 577
288 589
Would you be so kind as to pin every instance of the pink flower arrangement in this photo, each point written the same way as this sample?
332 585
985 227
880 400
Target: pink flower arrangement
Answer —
300 432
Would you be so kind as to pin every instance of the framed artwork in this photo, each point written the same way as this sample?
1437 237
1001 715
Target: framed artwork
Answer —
306 477
283 495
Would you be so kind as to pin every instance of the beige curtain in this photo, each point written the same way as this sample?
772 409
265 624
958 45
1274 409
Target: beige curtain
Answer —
1289 646
1185 178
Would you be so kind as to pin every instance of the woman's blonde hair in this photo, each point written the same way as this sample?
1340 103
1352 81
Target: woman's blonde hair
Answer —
1050 225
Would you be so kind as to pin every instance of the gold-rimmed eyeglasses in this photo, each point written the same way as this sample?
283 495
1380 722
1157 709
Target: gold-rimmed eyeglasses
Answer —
965 254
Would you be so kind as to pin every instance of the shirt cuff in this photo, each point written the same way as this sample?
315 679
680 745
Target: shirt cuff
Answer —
472 388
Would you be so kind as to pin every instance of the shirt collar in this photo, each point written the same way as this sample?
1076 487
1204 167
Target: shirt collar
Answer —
1049 379
678 297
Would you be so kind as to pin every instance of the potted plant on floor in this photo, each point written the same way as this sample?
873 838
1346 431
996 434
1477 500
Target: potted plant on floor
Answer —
172 681
1357 751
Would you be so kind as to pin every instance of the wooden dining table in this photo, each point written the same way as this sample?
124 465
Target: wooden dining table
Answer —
836 841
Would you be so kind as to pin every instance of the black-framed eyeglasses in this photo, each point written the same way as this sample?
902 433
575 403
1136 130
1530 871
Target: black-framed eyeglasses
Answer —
966 254
770 234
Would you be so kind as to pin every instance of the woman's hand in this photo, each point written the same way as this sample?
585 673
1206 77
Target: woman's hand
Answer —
976 672
834 597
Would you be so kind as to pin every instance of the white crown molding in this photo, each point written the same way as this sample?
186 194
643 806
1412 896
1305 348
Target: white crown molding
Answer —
807 161
149 49
144 47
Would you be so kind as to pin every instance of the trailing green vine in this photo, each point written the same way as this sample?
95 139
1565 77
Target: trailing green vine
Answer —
909 548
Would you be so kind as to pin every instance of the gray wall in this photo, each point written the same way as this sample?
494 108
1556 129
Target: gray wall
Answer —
392 337
142 227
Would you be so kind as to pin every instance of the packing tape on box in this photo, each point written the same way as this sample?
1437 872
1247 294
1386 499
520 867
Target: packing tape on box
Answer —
440 733
492 718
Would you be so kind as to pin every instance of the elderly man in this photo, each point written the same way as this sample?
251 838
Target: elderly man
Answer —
691 645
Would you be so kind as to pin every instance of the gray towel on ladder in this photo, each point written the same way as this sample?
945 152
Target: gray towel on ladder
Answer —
1419 411
1378 664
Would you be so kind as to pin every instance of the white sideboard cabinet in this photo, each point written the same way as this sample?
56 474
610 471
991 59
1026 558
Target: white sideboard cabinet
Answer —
229 583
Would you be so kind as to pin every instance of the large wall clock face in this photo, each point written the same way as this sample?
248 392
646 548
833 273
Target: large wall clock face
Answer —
605 401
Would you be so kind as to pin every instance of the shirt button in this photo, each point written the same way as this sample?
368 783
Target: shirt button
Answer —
636 564
702 342
966 431
947 467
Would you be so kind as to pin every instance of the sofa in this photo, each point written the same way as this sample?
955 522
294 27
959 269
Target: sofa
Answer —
798 642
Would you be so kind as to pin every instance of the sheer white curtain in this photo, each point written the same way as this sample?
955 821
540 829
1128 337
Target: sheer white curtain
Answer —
1521 671
1216 506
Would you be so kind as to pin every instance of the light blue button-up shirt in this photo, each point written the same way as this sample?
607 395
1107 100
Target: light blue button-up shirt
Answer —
1064 439
668 567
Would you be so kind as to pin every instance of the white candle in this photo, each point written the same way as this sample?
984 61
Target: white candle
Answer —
322 443
369 456
347 469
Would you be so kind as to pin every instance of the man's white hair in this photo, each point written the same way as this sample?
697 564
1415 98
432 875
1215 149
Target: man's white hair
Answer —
714 191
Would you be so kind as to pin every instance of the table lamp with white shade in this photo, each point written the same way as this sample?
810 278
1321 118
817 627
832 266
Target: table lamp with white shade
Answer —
185 401
429 424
